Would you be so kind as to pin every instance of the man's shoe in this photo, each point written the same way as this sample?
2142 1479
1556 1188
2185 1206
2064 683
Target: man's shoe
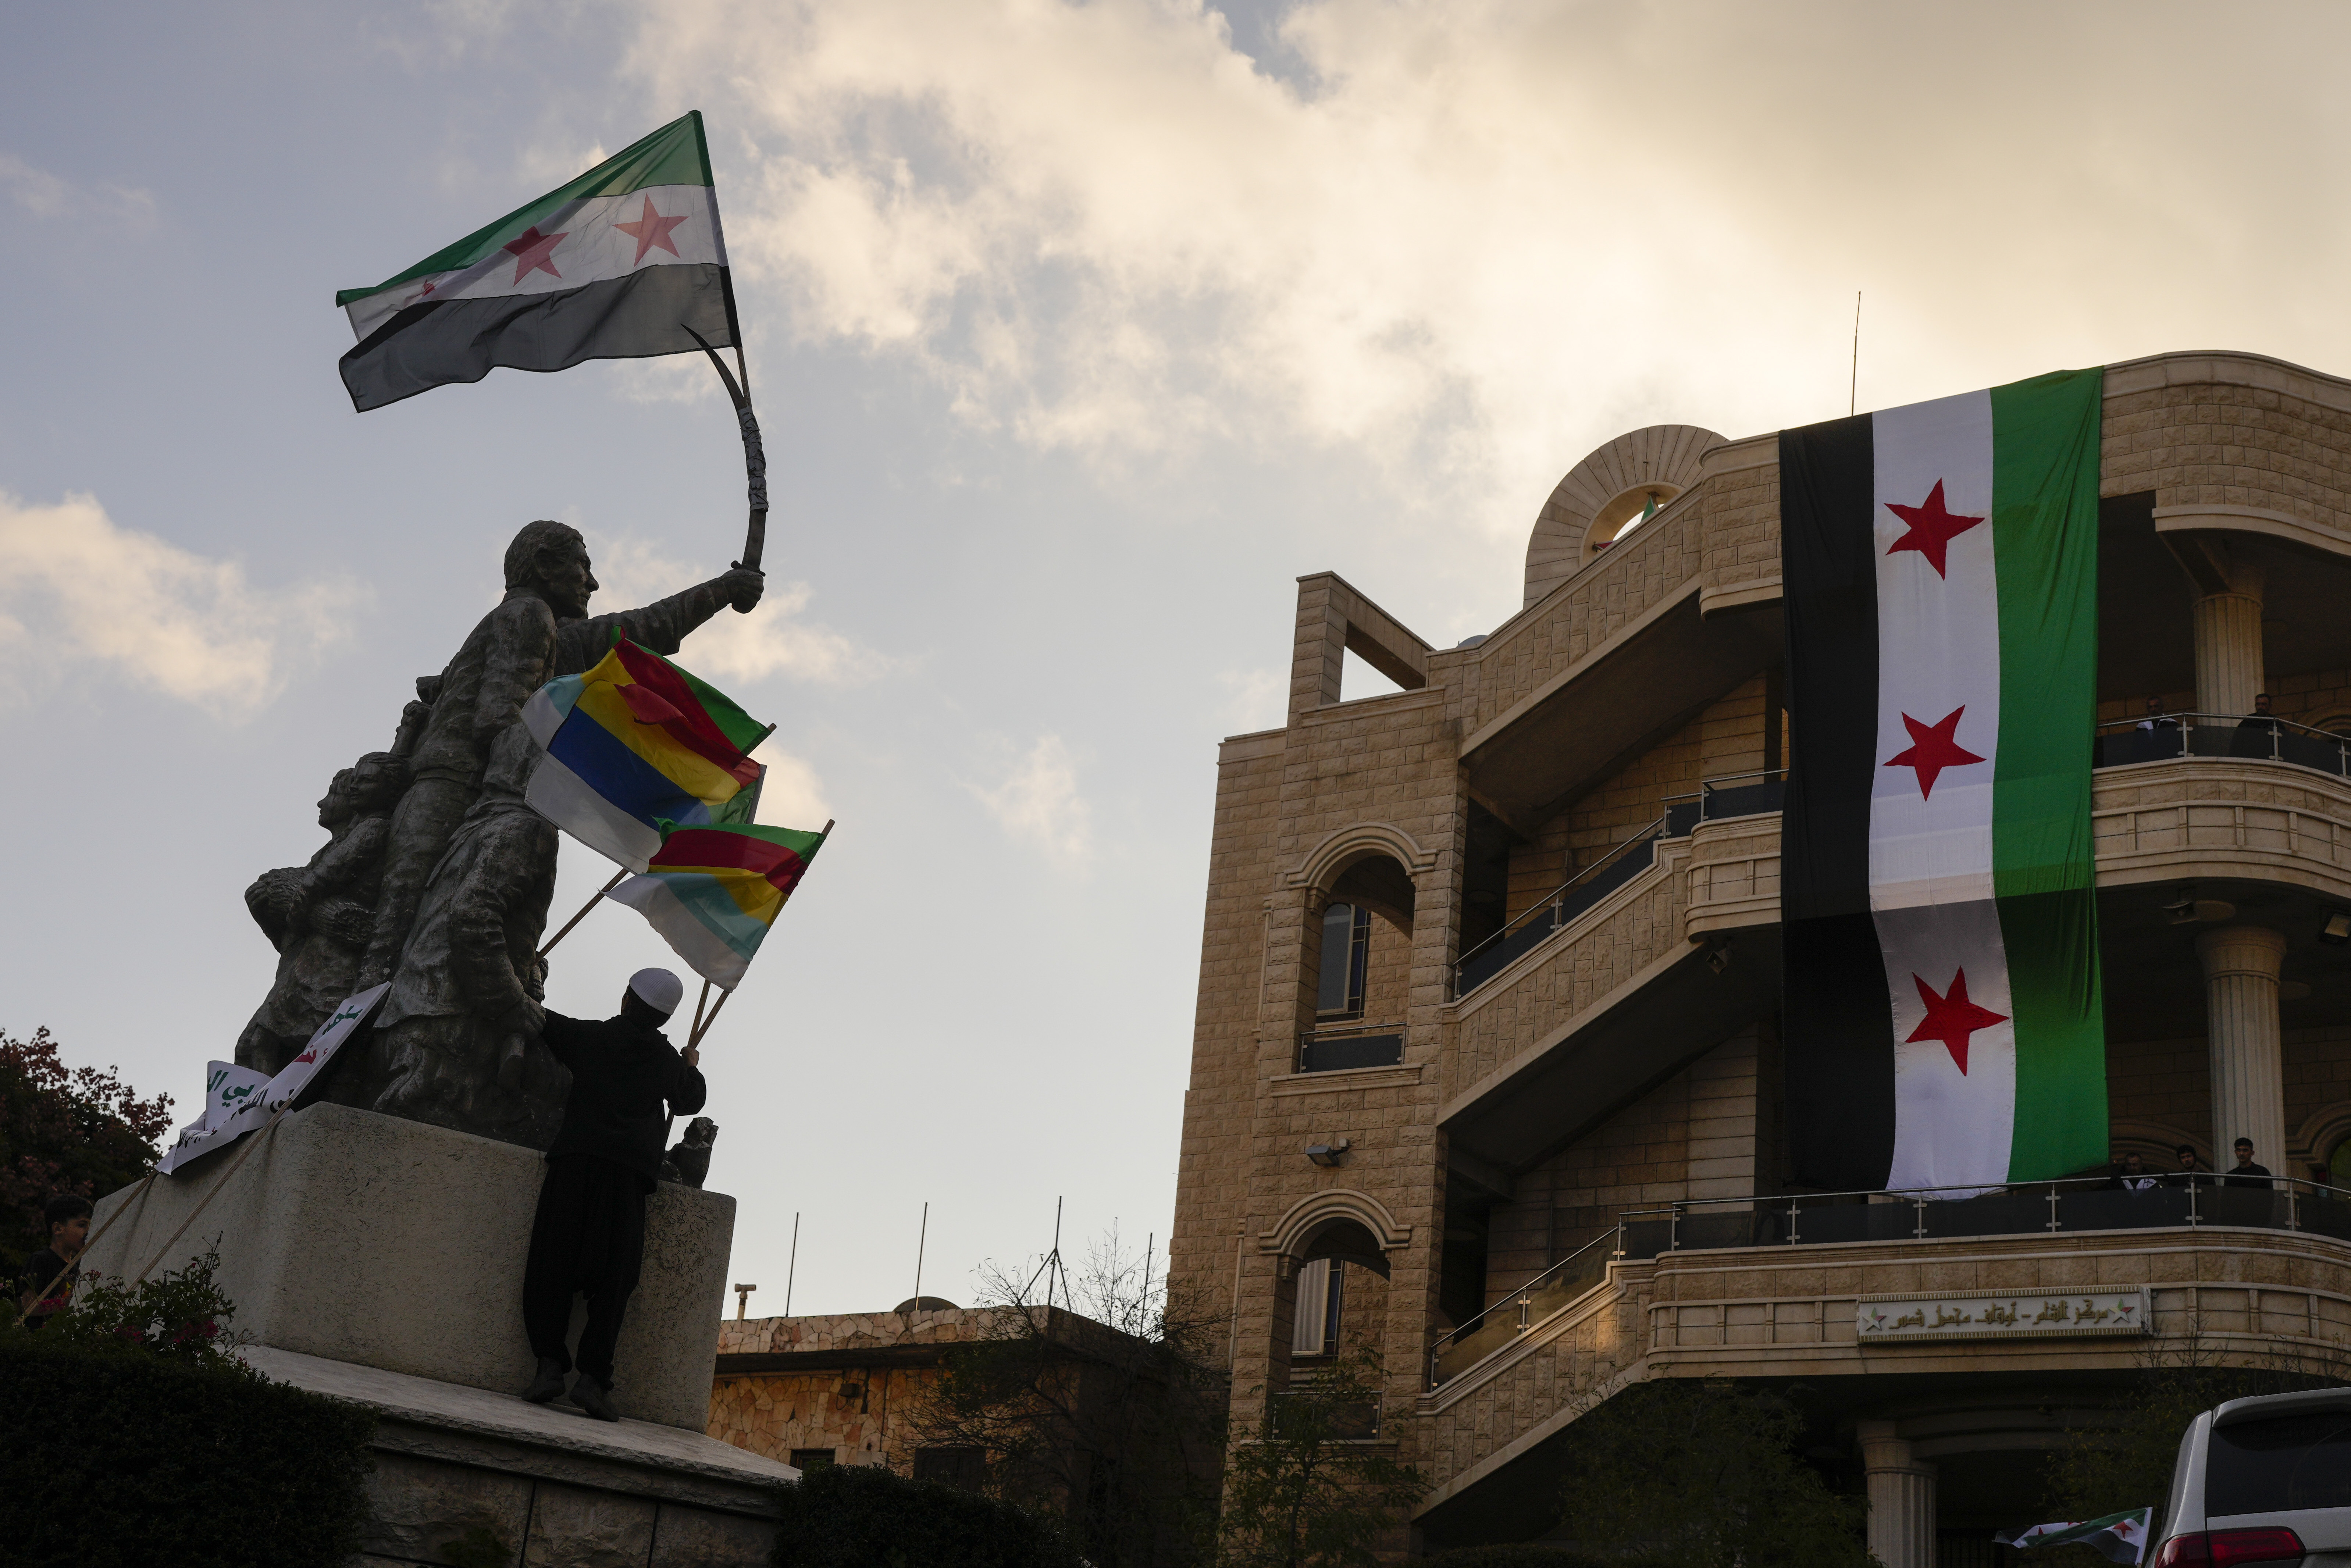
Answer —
548 1384
593 1397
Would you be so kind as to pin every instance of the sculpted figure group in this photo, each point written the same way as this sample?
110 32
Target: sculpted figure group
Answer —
436 875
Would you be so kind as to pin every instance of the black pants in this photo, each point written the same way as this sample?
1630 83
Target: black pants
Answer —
588 1239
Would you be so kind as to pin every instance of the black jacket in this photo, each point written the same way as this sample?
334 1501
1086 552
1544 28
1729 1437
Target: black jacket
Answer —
621 1073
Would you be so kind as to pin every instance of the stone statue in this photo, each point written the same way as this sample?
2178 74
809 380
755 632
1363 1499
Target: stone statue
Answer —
688 1159
319 916
455 1042
542 630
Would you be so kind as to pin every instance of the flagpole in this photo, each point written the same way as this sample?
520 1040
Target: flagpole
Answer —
584 908
755 456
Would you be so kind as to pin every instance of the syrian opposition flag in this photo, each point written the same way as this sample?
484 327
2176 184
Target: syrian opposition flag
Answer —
2118 1537
625 262
1942 1019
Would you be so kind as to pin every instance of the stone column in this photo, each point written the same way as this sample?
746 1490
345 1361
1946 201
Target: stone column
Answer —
2241 1026
2229 640
1901 1499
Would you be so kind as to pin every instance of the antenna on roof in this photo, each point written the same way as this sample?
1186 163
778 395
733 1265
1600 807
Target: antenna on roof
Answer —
920 1238
1853 390
792 1268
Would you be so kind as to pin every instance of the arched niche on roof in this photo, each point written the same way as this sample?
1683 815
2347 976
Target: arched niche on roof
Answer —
1338 1222
1613 488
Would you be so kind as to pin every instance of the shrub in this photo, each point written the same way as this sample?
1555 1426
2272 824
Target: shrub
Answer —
64 1131
117 1454
1521 1557
862 1516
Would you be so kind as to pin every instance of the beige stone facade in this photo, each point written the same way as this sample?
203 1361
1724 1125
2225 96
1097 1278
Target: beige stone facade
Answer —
1632 1059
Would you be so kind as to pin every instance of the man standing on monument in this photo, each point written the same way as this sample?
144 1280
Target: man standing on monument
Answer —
542 630
588 1236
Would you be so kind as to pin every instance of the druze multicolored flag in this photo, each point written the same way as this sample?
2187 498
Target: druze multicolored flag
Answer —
2118 1537
635 746
624 262
1942 1016
714 892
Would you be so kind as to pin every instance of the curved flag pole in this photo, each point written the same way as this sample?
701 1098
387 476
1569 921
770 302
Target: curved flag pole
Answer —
755 458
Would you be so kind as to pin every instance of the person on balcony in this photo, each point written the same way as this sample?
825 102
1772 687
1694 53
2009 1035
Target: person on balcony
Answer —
2156 718
2131 1175
2244 1173
2188 1175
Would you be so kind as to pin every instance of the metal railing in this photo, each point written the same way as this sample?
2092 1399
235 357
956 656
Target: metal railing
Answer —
1535 1303
1332 1048
1533 926
2256 736
2066 1205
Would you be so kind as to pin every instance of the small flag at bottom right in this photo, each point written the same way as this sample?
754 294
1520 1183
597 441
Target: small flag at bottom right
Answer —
713 892
2119 1537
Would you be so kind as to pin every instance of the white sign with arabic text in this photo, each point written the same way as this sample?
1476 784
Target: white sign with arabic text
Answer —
1901 1320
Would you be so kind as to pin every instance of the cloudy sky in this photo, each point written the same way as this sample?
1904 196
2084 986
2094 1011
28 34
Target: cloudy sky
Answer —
1077 332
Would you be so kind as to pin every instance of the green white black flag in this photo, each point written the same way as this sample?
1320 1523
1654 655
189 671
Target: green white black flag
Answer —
2118 1537
625 262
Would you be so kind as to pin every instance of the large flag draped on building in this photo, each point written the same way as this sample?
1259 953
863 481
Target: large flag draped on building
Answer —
1943 1022
624 262
635 746
714 892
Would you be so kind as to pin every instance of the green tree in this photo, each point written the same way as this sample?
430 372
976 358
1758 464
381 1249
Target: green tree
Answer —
1676 1473
1108 1417
76 1132
1305 1489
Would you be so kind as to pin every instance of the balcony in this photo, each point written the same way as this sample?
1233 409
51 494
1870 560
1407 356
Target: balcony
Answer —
2248 738
1335 1048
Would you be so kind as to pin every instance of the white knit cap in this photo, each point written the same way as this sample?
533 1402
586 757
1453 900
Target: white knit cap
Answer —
658 989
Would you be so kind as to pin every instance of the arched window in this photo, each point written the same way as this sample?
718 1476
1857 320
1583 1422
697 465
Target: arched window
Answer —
2338 1165
1346 954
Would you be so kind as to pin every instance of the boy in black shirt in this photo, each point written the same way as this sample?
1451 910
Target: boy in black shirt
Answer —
588 1236
68 1220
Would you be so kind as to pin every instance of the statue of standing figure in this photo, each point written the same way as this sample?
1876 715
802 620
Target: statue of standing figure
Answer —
465 868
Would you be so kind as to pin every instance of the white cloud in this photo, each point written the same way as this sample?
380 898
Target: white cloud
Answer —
793 796
771 639
1254 699
1038 803
45 195
77 592
1483 236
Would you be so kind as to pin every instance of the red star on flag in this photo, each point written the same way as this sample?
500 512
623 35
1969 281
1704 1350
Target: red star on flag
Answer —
1932 749
1932 528
530 250
650 229
1952 1018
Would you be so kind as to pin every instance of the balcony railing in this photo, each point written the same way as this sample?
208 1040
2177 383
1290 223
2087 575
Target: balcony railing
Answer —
2161 737
1733 795
2074 1204
1335 1047
2067 1205
1534 1303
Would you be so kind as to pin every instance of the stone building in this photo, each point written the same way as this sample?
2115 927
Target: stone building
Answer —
1485 1070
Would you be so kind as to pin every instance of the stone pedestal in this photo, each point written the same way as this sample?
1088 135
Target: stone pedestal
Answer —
465 1475
2240 1023
392 1244
1901 1499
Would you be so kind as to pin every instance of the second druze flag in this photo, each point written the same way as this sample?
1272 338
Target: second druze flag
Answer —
1942 1022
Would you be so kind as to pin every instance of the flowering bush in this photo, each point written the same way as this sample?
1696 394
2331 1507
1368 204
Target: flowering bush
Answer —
182 1315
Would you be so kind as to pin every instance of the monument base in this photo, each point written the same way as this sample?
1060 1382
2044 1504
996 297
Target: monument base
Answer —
386 1243
465 1475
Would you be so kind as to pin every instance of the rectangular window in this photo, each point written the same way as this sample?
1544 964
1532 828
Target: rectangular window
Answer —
1321 1294
2278 1466
965 1469
1346 959
812 1458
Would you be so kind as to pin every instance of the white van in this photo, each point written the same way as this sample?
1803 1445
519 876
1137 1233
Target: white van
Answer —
2262 1481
